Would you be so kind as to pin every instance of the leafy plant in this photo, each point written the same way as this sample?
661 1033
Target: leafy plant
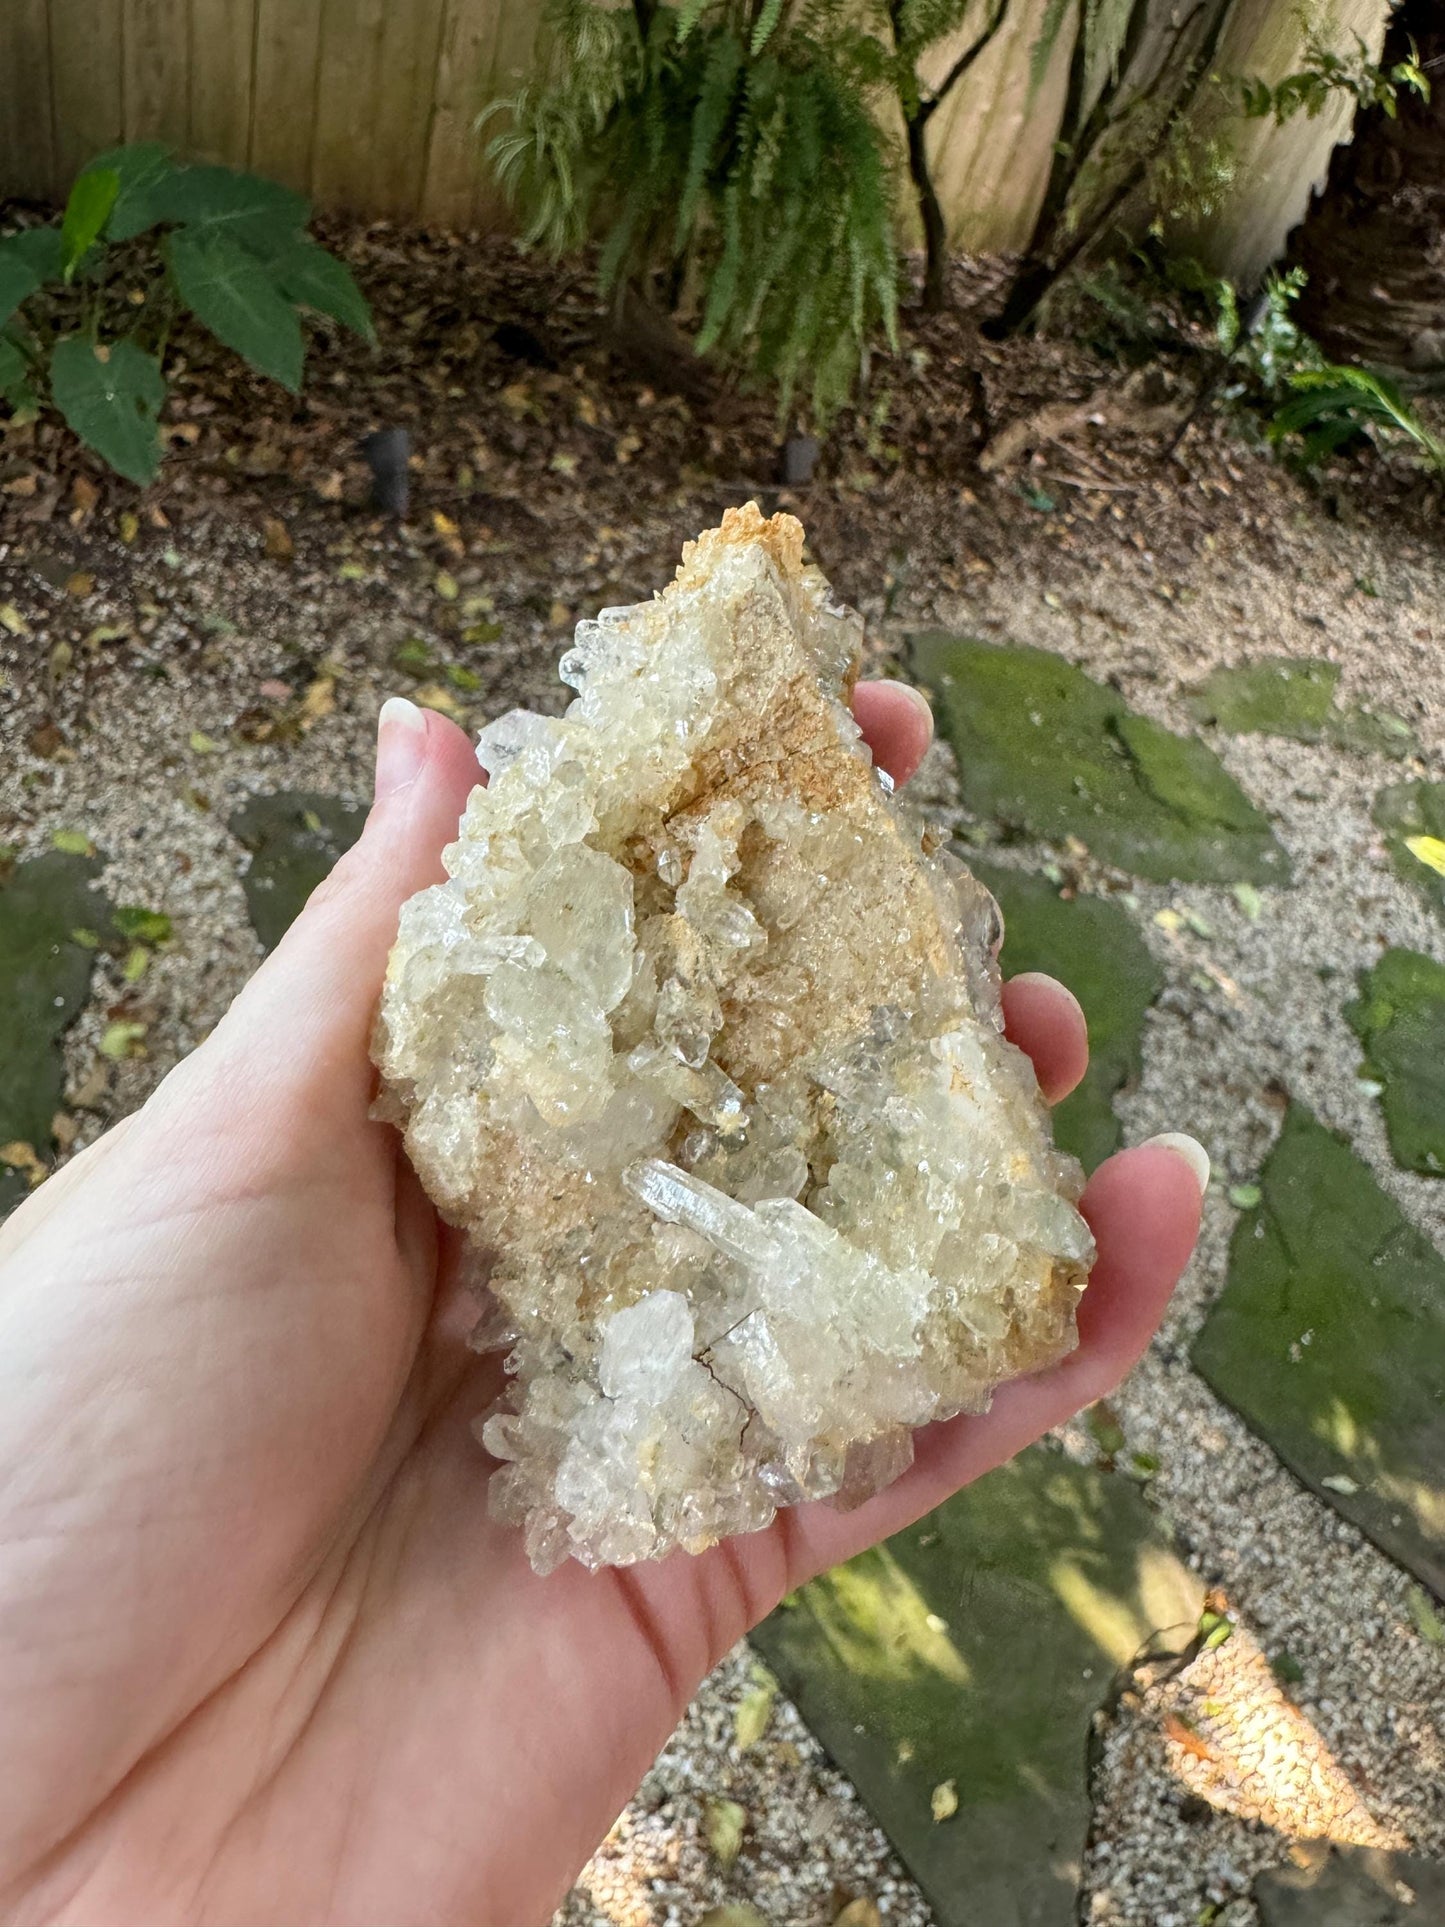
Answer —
1325 75
87 304
724 154
1332 404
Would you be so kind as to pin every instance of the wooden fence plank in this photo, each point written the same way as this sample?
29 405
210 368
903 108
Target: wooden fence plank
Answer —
283 89
406 82
85 46
346 170
1277 168
27 155
371 105
218 112
155 57
455 193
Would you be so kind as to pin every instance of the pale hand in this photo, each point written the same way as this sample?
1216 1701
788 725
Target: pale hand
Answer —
265 1661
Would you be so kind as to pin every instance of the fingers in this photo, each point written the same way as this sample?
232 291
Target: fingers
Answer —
1143 1206
897 725
1045 1021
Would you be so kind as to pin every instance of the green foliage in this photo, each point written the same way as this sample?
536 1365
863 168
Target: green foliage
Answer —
731 156
112 398
1326 76
1333 404
230 249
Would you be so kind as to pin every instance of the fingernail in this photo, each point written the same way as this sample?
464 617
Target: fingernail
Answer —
400 745
920 703
1192 1152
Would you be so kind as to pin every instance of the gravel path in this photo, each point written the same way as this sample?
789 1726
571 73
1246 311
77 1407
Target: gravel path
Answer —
1149 587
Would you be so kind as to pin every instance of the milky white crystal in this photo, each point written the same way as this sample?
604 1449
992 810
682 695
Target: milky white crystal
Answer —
701 1044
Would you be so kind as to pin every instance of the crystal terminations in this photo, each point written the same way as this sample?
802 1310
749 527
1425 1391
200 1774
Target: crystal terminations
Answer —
702 1046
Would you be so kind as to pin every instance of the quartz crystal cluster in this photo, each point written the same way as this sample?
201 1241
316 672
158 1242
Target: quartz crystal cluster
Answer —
701 1044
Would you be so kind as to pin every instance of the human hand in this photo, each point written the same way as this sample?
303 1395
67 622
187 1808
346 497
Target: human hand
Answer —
266 1659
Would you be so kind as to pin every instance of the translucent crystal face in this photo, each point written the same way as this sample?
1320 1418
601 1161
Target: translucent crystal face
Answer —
703 1049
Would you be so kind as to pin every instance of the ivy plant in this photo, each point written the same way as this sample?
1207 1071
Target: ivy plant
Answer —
88 304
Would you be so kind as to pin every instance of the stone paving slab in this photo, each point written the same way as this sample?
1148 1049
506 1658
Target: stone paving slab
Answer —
44 979
953 1672
1329 1340
294 838
1094 946
1354 1887
1044 749
1399 1018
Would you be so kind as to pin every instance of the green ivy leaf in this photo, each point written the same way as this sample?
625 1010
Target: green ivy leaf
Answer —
112 399
230 291
309 276
86 212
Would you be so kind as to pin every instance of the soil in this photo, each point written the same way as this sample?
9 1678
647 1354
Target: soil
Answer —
235 631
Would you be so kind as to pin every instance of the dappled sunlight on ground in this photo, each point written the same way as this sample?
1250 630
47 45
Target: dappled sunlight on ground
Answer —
1234 1740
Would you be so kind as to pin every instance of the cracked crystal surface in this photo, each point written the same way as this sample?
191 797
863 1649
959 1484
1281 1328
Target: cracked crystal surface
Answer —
701 1044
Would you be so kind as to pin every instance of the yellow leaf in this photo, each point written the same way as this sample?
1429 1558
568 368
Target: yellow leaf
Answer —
755 1709
129 526
81 583
11 619
945 1800
21 1156
859 1913
443 524
434 695
123 1040
319 701
446 586
1428 850
723 1823
203 744
72 842
277 538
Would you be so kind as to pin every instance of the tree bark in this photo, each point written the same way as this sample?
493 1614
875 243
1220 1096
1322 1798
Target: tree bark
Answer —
935 228
1373 240
1049 255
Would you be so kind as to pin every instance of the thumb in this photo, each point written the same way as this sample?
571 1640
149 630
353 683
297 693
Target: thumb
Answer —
309 1008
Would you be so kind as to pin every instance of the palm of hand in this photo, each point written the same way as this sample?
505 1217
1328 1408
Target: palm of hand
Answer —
267 1658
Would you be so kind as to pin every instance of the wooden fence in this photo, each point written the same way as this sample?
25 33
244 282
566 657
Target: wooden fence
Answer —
369 105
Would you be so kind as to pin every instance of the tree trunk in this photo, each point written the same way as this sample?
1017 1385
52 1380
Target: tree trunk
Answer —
935 228
1373 240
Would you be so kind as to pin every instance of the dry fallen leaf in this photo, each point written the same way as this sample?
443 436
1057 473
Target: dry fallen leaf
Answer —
723 1825
64 1129
11 619
81 583
129 525
755 1709
124 1038
945 1800
86 495
21 1157
279 545
859 1913
319 701
434 695
91 1088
